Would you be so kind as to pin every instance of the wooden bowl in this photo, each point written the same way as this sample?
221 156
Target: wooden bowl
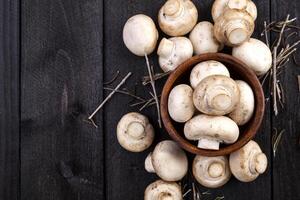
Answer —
238 70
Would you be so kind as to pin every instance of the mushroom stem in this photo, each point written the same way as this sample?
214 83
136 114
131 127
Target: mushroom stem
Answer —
148 164
165 48
216 170
258 163
136 130
206 143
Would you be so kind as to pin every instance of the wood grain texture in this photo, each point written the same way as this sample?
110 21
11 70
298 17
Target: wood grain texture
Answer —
9 100
61 79
286 164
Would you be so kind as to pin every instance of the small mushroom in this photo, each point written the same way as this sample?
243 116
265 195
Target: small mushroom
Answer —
140 35
174 51
161 190
245 108
134 132
255 54
180 103
168 161
205 69
210 131
219 6
211 172
216 95
203 39
233 27
248 163
177 17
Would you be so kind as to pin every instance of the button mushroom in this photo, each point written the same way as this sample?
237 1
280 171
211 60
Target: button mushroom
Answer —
220 5
203 39
134 132
255 54
205 69
161 190
140 35
210 131
248 163
245 108
168 161
233 27
180 103
174 51
211 172
177 17
216 95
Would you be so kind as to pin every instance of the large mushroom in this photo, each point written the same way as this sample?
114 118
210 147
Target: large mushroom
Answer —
140 35
245 108
255 54
174 51
134 132
177 17
219 6
210 131
162 190
211 172
216 95
205 69
248 163
203 39
168 161
233 27
180 103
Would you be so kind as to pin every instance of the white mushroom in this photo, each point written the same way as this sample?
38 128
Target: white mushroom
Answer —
168 161
205 69
161 190
177 17
216 95
140 35
220 6
245 108
210 131
211 172
174 51
134 132
255 54
233 27
203 39
180 103
248 163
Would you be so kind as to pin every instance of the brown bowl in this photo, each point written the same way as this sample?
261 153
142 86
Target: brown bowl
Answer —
238 70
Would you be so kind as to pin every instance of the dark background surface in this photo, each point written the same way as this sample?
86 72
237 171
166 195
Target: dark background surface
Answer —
55 56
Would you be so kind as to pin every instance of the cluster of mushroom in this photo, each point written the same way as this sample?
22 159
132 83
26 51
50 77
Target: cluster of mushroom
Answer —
203 105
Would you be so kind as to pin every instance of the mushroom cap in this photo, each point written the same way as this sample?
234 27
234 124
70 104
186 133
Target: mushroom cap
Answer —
180 103
134 132
140 35
177 17
255 54
248 163
174 51
220 6
211 172
216 95
203 39
205 69
216 128
169 161
233 27
162 190
245 108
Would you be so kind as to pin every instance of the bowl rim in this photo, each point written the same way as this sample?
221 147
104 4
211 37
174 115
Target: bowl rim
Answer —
256 119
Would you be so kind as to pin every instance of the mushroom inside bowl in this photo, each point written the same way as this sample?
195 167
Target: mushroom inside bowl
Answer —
238 71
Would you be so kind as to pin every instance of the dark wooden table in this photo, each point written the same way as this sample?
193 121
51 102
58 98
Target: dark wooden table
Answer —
55 56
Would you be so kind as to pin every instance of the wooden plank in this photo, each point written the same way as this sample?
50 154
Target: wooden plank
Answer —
9 100
286 165
61 154
125 174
